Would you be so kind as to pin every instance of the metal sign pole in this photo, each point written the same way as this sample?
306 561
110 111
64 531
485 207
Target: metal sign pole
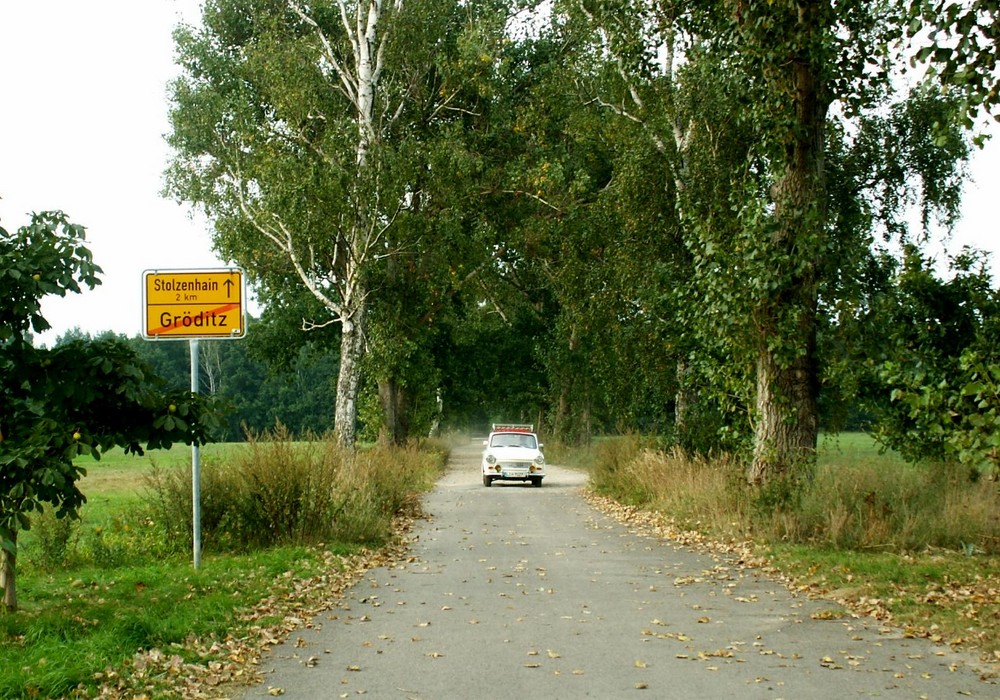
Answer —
188 305
195 465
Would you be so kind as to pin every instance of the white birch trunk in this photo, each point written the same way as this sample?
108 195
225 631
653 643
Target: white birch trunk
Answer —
359 83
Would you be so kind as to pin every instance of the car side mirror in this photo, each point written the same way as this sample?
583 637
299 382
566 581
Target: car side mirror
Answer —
541 445
486 443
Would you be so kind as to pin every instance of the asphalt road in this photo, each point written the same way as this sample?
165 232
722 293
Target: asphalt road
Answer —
519 592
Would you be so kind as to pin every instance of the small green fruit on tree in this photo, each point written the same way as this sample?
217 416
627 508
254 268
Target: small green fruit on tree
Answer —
99 384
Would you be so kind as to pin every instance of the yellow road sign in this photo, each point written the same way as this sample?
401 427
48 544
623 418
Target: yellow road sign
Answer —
193 304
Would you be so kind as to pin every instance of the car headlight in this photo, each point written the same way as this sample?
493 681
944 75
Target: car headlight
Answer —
539 460
490 459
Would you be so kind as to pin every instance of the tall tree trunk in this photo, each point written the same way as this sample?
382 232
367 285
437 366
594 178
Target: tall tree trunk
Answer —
8 569
395 412
787 417
566 422
352 345
683 400
787 383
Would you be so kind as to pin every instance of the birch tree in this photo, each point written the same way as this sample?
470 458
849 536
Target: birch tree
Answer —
279 126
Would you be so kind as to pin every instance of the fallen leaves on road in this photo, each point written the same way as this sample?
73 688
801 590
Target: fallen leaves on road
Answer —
978 599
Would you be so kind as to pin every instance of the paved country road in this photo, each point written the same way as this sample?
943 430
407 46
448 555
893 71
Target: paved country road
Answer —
518 592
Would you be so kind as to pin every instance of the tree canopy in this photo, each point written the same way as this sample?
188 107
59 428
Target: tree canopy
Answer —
664 216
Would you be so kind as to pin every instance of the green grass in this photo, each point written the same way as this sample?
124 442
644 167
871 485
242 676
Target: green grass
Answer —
115 484
853 448
74 625
944 595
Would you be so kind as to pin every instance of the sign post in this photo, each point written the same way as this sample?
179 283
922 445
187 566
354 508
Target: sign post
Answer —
191 305
195 466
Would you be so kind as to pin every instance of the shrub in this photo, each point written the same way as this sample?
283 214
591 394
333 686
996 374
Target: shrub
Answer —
611 472
55 539
129 538
277 491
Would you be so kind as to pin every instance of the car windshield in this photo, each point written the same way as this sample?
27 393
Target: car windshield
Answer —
513 440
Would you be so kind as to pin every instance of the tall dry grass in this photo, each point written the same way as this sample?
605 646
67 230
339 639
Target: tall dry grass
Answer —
277 491
854 504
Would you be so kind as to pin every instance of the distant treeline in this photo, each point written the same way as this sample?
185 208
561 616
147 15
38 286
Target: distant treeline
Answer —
297 392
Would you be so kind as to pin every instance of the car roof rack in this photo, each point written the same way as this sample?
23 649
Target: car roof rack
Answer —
513 427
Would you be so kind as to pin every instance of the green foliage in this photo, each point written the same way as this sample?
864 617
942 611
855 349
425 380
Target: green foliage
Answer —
959 47
82 397
633 171
56 539
932 386
45 257
611 473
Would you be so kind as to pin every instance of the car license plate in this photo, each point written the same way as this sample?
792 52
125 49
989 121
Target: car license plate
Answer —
515 472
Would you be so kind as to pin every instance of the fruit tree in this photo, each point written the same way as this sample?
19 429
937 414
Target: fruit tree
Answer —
82 397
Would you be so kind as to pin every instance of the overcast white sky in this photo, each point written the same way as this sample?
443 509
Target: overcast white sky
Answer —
83 112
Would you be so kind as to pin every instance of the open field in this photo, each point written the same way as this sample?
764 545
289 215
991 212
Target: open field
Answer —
118 479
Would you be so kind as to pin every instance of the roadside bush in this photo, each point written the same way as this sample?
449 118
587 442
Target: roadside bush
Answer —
277 491
611 474
129 538
868 507
377 486
695 492
62 543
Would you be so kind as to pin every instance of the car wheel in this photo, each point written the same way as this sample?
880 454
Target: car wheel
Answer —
487 480
536 481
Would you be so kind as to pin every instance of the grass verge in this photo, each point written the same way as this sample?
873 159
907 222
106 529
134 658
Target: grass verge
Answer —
123 614
914 545
77 631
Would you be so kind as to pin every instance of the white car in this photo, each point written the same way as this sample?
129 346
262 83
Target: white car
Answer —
512 453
